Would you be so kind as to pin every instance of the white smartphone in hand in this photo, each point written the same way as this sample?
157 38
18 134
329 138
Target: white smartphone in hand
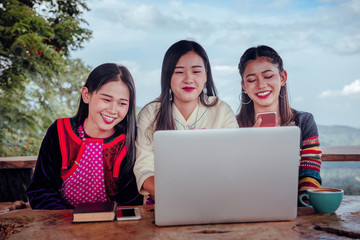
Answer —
268 119
128 214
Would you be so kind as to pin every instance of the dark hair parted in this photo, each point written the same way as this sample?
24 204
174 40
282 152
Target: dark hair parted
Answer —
246 117
101 75
164 119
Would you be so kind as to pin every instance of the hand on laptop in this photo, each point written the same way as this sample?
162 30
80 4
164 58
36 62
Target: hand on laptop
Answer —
149 185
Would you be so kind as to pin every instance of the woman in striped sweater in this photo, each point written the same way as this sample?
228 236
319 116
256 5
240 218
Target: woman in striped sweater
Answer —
264 90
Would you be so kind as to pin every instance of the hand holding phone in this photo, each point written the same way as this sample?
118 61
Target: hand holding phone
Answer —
128 214
268 119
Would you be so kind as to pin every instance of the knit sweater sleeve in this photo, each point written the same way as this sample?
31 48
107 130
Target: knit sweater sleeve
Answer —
310 163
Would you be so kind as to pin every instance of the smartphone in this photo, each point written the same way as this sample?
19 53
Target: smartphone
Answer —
128 214
268 119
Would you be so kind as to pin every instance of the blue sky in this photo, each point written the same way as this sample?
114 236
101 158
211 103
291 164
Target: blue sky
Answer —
319 42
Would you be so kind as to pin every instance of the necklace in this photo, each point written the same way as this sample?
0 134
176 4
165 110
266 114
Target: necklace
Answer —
191 126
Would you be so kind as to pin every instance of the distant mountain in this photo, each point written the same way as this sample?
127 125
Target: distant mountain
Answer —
339 136
344 175
335 135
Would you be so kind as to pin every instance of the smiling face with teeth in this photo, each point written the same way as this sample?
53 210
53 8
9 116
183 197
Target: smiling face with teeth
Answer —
107 107
262 81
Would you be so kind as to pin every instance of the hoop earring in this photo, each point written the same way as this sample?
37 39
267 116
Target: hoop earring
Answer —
282 96
282 90
170 94
244 103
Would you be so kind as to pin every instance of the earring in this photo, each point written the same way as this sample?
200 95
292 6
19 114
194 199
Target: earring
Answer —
244 103
280 93
205 93
170 94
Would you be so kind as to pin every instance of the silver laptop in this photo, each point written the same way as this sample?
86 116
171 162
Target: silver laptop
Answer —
226 175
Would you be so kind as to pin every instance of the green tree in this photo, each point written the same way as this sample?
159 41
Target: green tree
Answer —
43 106
36 37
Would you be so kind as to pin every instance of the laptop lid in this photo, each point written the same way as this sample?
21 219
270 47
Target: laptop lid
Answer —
226 175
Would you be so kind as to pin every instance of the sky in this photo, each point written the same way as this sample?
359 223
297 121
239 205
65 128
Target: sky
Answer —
319 42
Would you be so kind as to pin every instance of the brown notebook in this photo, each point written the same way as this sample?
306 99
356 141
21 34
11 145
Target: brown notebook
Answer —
95 212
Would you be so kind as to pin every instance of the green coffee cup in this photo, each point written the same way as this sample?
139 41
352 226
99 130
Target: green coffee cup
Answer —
323 200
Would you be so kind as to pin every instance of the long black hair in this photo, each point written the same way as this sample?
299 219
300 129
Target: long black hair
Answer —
101 75
164 119
246 117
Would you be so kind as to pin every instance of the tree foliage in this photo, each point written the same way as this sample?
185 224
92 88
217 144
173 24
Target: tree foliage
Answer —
27 119
36 37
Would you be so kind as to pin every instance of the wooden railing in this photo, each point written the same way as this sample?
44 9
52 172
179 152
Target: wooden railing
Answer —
18 162
330 153
340 153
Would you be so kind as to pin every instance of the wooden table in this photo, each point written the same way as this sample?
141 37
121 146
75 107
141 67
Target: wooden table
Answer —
56 224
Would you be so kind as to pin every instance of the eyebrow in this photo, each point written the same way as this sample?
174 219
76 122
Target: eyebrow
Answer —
109 96
253 74
195 66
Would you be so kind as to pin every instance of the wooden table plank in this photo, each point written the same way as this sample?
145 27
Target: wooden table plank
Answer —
47 224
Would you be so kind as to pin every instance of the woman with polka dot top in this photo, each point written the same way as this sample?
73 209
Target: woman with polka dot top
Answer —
89 157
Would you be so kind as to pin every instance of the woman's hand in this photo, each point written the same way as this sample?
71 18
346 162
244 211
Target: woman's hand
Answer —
258 122
149 185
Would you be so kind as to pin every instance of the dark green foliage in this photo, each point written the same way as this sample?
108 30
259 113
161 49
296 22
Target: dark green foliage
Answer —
25 120
37 78
31 43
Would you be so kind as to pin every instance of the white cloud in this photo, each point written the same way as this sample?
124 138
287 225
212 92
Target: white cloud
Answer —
142 15
160 17
327 93
226 69
348 44
299 99
225 76
350 89
355 6
279 3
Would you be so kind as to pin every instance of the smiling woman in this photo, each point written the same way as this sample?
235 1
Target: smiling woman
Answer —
89 158
187 101
187 82
107 107
264 90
